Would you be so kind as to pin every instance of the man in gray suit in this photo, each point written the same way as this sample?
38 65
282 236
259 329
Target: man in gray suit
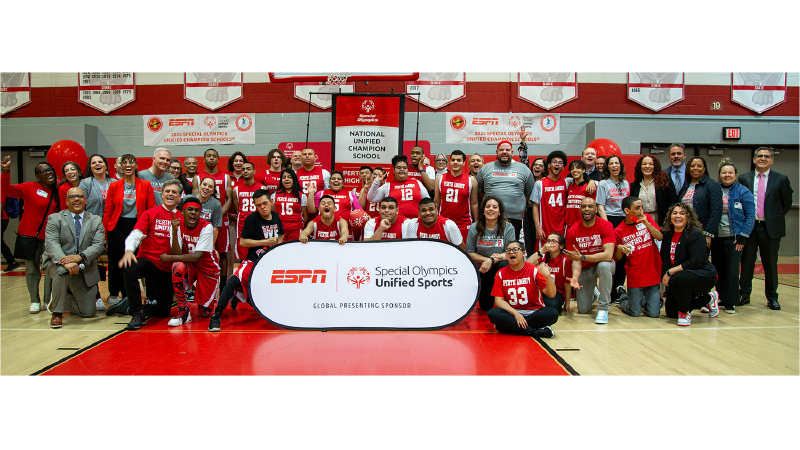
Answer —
677 171
773 197
74 238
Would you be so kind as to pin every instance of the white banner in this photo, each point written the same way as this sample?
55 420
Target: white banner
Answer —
367 128
15 91
212 90
758 91
437 89
106 91
548 90
417 284
199 129
322 97
491 128
656 90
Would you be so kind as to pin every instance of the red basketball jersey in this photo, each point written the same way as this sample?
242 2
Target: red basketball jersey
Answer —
408 194
552 205
244 194
306 177
191 241
323 232
454 195
393 232
289 209
522 289
271 180
342 200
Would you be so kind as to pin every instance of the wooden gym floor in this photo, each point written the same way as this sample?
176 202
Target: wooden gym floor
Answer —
754 341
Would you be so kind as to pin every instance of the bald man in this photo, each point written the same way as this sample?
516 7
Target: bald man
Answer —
309 173
297 160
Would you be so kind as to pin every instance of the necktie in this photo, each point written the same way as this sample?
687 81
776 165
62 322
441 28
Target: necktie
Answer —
77 231
762 189
678 183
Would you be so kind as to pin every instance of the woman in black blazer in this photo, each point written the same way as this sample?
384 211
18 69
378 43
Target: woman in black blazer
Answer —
648 177
704 195
685 268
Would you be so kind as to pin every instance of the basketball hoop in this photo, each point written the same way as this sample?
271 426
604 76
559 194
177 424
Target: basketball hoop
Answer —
337 78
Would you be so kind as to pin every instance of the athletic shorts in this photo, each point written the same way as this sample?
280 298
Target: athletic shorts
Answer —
207 288
223 243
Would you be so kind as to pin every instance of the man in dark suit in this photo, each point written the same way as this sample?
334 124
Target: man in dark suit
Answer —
773 198
677 171
73 237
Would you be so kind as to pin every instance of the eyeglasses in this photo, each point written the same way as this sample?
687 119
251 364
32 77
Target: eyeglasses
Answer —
557 163
763 156
49 169
73 197
551 241
441 160
513 250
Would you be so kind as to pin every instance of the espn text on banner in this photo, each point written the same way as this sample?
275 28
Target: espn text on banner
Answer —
491 128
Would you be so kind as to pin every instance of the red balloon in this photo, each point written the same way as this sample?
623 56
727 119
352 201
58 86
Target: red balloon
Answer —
63 151
605 147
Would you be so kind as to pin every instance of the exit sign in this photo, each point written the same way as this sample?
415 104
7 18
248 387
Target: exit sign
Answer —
732 132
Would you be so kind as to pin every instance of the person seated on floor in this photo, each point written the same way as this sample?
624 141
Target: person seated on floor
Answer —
686 271
235 290
431 225
193 259
389 225
560 266
326 226
517 291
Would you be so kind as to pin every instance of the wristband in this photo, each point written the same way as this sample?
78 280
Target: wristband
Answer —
539 252
491 258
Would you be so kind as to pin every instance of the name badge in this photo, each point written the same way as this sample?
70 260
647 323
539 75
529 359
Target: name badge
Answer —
737 205
41 193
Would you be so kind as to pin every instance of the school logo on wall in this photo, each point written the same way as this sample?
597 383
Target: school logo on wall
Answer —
437 89
213 90
656 90
547 90
758 91
106 91
15 91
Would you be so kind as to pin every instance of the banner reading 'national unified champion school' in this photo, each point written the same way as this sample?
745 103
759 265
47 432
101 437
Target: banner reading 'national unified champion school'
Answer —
418 284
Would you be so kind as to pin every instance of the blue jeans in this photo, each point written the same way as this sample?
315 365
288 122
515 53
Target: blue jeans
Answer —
647 297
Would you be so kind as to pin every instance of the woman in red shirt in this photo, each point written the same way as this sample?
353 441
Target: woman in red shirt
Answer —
72 177
41 200
560 266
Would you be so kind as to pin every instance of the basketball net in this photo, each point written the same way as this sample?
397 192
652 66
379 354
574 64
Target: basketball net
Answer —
337 78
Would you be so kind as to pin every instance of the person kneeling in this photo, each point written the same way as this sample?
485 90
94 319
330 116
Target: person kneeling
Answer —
517 292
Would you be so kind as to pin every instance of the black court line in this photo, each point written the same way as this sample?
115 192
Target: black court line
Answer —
568 349
68 348
557 357
67 358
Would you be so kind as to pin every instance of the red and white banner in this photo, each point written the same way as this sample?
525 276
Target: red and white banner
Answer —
491 128
656 90
199 129
15 91
212 90
106 91
410 284
322 96
437 89
548 90
758 91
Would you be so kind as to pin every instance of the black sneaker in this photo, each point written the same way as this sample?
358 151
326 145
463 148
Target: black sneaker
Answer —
137 320
214 324
544 332
12 266
204 311
122 308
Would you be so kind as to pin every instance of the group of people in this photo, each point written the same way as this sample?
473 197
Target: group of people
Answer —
536 237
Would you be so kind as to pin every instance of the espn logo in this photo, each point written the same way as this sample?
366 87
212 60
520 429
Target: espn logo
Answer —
181 122
298 276
485 121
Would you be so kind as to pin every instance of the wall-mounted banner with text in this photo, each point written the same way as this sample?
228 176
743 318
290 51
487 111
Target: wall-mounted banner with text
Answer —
199 129
418 284
213 90
437 89
758 91
15 91
491 128
548 90
106 91
656 90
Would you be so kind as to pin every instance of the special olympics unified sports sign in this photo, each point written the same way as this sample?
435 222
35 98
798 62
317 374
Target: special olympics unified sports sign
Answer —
419 284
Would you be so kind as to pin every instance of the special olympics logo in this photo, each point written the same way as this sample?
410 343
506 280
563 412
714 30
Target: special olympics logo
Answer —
155 124
210 121
458 122
368 105
548 122
289 146
358 276
514 121
244 122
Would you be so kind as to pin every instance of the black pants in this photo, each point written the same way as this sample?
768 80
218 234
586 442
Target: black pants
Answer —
507 323
619 272
227 293
556 302
144 268
116 248
760 241
485 298
529 228
7 253
687 292
726 260
517 223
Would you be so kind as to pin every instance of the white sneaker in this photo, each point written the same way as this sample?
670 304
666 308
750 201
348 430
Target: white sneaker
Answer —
602 317
113 300
35 308
99 305
704 310
182 318
684 320
713 305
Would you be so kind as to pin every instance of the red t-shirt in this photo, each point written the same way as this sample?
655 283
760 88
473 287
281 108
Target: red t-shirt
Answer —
36 199
200 239
244 195
156 225
62 194
551 202
306 177
560 267
675 238
329 232
435 231
454 193
342 201
408 195
518 288
575 195
373 209
271 180
590 240
223 182
643 267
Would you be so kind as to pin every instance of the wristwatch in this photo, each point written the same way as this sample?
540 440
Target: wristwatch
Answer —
492 259
83 256
583 258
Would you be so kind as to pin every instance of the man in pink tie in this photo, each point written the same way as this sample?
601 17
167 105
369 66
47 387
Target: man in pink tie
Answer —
773 198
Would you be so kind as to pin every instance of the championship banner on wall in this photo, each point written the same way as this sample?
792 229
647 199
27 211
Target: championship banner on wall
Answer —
15 91
758 91
656 90
437 89
491 128
409 284
548 90
367 129
212 90
199 129
106 91
322 97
